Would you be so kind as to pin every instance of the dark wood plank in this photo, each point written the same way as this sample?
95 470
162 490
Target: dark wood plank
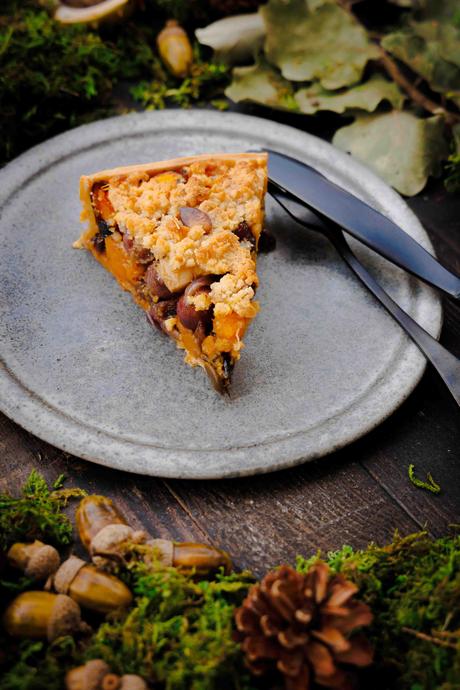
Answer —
321 505
425 432
145 502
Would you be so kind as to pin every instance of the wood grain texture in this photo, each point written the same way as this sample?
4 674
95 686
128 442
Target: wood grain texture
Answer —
359 494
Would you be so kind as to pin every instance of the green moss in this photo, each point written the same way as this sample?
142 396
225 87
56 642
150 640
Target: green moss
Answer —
53 77
36 513
430 485
206 80
179 633
413 588
36 665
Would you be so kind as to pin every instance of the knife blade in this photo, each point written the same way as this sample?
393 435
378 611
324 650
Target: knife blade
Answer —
333 203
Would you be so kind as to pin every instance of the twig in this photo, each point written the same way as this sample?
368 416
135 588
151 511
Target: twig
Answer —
417 96
429 638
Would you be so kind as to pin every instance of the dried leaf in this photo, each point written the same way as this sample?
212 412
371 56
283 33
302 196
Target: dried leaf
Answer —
400 147
443 10
234 39
322 42
365 96
432 50
262 84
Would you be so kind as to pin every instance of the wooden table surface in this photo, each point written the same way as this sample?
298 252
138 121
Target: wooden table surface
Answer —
359 494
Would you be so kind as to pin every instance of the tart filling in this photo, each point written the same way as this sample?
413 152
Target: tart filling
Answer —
182 237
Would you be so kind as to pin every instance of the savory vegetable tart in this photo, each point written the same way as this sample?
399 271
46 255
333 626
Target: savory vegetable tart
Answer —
182 237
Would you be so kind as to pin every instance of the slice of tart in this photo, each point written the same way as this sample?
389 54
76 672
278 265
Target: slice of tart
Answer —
182 237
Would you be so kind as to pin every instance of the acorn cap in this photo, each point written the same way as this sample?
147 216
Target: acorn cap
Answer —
132 682
109 538
43 563
66 574
87 677
165 549
65 617
36 559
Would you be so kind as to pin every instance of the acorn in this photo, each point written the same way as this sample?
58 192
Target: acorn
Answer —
37 560
105 533
96 675
111 682
103 530
90 587
175 49
130 681
93 514
188 556
87 677
42 615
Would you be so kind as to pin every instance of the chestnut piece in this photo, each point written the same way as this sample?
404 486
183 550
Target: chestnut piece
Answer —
193 216
158 313
189 316
155 284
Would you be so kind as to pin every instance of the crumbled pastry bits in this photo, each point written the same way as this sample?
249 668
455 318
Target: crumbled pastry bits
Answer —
36 560
175 49
43 615
96 675
108 538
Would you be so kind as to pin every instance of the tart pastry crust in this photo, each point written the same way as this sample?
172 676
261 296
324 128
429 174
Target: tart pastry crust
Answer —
181 236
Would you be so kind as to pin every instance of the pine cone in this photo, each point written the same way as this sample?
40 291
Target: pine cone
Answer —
302 625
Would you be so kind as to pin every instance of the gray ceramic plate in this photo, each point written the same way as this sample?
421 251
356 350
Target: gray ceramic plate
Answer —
82 369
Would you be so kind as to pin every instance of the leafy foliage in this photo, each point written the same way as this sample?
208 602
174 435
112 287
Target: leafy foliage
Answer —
37 513
400 147
365 96
262 84
317 40
432 50
413 588
324 55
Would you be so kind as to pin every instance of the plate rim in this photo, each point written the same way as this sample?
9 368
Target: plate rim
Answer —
56 427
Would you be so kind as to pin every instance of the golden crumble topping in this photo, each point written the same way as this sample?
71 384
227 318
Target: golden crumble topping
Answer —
228 192
182 237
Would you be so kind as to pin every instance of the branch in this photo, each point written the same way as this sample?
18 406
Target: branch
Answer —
417 96
429 638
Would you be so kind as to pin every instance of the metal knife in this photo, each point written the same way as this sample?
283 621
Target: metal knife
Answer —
333 203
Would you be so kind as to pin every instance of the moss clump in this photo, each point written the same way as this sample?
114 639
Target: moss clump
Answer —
37 513
37 665
413 588
53 77
179 633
